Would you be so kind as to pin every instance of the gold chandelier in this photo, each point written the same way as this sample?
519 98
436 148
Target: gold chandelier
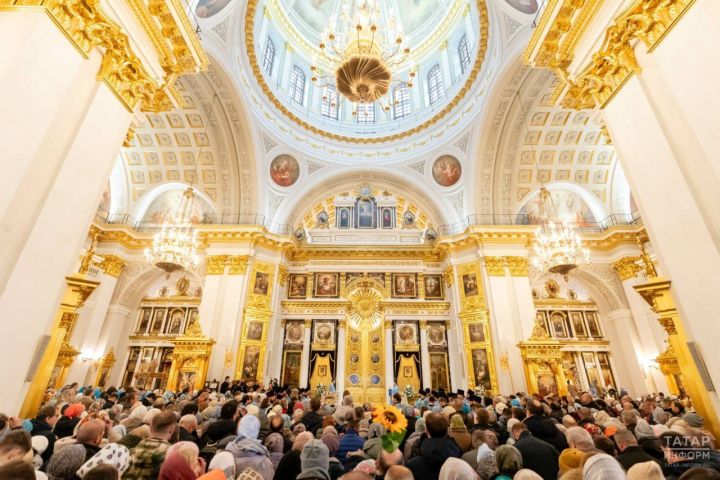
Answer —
557 248
175 245
365 60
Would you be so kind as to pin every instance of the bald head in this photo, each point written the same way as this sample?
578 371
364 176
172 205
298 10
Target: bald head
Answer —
398 472
386 460
188 422
92 432
356 476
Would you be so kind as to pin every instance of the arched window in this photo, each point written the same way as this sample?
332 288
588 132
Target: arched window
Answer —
463 50
330 99
366 113
401 102
297 85
268 56
435 84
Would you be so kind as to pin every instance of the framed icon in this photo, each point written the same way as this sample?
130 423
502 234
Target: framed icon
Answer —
262 282
297 286
470 286
326 284
434 287
404 285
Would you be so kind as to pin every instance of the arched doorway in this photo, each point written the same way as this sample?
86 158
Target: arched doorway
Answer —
365 355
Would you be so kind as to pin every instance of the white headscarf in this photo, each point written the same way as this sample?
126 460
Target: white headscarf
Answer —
224 461
456 469
249 427
603 467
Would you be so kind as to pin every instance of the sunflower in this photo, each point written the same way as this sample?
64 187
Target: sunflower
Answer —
392 419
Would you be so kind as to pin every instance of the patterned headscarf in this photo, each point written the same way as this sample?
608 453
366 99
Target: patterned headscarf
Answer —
113 454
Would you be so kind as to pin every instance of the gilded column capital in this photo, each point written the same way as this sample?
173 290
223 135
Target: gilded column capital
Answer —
495 266
518 266
668 323
627 267
112 265
342 323
215 264
308 324
238 264
387 324
423 324
448 276
282 275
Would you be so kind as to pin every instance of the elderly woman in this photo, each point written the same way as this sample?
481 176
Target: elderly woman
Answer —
414 437
248 451
456 469
459 432
373 444
182 462
509 460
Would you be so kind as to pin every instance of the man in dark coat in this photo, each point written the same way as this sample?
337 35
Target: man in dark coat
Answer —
43 425
630 452
543 427
537 455
312 419
434 449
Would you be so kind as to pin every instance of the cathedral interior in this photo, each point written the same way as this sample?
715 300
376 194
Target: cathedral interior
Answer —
490 195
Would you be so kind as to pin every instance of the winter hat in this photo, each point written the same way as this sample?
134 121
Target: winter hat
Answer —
645 471
694 420
113 454
74 410
315 454
249 427
314 474
570 458
603 467
515 402
64 464
643 429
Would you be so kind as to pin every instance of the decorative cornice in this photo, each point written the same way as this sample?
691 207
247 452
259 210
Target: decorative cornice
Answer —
495 266
627 267
260 78
238 264
112 265
615 62
518 266
87 26
215 264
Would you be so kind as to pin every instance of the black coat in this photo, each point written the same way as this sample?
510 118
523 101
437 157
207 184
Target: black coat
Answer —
433 453
41 428
652 447
65 426
635 454
186 436
538 456
312 421
289 466
544 428
220 429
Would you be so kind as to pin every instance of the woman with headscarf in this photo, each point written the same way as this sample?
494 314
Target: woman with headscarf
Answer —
414 437
331 439
456 469
113 454
225 462
182 462
509 462
137 413
65 426
459 432
373 444
602 467
65 463
248 451
290 466
274 443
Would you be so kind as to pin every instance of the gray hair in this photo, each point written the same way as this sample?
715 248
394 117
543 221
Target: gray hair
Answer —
579 438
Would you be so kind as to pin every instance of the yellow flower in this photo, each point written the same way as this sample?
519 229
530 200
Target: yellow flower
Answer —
392 419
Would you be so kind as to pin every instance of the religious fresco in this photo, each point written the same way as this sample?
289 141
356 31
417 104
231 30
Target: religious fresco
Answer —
208 8
414 13
165 207
568 206
314 13
524 6
284 170
446 170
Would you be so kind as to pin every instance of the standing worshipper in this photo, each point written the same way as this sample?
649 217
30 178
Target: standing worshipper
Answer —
149 454
248 451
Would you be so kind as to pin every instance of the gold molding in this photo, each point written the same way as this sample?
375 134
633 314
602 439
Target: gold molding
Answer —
615 62
495 266
112 265
627 267
87 26
260 79
215 264
238 264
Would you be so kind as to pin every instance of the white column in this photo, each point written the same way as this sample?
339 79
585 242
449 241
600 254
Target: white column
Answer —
458 379
627 352
45 88
389 358
340 370
276 337
88 329
507 330
50 250
650 333
305 357
118 321
446 66
425 356
677 226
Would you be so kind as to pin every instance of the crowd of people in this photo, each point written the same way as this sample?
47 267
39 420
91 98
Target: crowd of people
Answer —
250 432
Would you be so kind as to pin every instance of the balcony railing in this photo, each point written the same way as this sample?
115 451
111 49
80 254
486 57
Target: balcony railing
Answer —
613 220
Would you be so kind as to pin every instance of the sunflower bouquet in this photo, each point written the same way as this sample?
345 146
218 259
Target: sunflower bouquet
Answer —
395 425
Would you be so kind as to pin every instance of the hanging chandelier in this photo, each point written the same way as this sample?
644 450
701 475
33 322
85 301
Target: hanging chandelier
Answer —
365 60
175 245
557 248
